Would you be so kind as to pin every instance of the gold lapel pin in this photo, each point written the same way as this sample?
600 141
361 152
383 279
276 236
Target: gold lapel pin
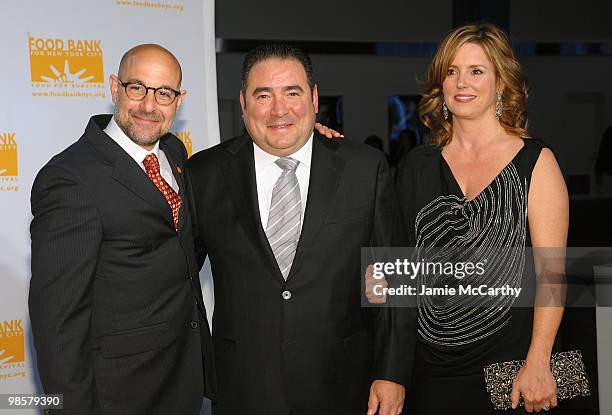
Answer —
178 169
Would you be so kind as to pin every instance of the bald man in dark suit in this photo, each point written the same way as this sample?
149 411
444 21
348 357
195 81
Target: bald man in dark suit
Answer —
115 302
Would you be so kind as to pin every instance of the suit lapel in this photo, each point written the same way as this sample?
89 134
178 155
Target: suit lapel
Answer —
125 170
242 184
325 173
131 176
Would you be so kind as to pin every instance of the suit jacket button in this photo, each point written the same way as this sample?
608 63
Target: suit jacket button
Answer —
286 294
194 324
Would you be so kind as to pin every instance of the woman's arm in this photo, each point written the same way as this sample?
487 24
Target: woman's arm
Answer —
548 215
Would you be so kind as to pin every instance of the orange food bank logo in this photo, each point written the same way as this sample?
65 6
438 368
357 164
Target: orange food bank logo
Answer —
185 137
8 162
12 349
72 66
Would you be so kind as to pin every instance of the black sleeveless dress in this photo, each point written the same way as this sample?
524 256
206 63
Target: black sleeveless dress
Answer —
456 340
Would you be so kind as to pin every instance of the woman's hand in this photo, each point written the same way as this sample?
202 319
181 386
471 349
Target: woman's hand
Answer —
326 131
370 283
536 384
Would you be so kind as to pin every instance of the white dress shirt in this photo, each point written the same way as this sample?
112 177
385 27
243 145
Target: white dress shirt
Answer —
267 173
138 153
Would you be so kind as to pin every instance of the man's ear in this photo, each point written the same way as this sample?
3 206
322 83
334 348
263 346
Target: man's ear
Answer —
315 99
180 98
113 81
242 102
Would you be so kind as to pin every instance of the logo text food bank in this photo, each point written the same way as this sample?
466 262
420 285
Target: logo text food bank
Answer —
12 349
8 162
66 67
185 137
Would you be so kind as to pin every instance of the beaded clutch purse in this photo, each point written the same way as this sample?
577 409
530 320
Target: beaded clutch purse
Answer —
567 368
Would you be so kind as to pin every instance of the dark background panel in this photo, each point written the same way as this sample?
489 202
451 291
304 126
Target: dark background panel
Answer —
561 21
346 20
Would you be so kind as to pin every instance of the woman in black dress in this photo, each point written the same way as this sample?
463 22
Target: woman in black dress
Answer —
482 182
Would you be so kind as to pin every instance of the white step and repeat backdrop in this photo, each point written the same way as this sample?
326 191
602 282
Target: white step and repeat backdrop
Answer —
56 58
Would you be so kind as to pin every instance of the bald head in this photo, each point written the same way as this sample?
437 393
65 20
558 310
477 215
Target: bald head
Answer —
144 119
149 52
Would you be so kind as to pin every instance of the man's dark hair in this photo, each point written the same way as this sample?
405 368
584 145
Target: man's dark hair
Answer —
279 51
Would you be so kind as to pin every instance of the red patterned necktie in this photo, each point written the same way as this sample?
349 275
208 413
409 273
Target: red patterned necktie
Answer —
151 165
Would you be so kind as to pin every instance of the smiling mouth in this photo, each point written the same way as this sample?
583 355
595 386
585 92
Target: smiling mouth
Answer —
464 98
146 120
279 126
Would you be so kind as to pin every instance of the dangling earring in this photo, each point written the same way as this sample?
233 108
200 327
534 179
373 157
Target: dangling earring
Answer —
444 110
498 106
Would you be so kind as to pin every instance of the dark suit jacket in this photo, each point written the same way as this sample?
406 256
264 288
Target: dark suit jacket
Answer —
117 315
303 345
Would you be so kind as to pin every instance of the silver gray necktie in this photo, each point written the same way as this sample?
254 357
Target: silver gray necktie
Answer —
283 229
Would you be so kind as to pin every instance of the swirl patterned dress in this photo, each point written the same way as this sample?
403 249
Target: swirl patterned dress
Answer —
456 336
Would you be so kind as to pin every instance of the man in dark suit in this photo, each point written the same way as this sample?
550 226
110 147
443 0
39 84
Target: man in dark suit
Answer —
282 214
115 302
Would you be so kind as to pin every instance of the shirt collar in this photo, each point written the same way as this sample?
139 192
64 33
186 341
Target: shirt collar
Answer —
134 150
264 159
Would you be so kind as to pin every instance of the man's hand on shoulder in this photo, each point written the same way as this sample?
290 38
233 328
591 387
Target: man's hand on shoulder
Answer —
327 132
386 397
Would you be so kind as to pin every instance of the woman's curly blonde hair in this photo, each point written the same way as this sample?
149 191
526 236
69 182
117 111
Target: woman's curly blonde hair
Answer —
510 77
